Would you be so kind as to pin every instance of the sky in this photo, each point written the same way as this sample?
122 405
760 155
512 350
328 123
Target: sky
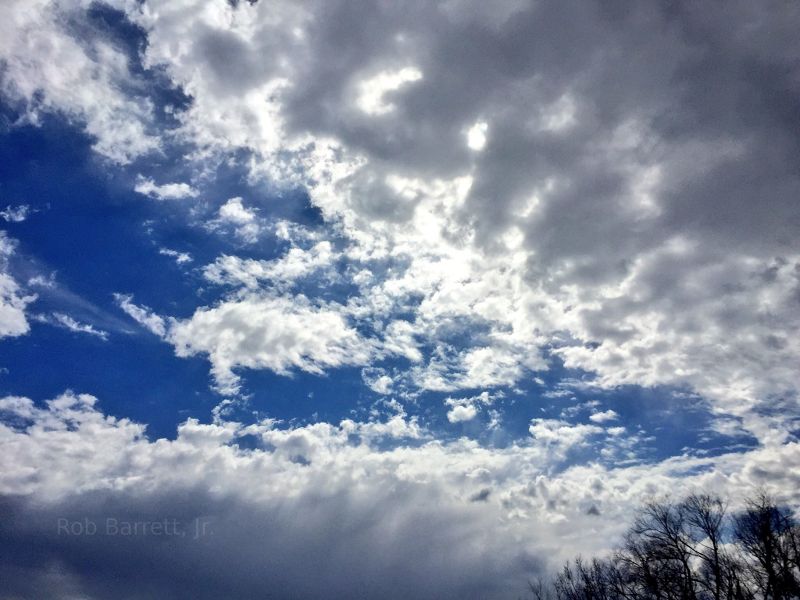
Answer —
386 299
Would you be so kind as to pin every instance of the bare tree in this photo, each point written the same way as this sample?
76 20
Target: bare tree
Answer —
705 518
767 537
691 550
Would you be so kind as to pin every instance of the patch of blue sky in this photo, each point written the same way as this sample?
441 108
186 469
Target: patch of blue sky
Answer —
99 237
90 237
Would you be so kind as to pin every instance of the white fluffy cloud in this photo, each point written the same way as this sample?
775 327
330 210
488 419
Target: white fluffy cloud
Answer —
243 220
13 300
462 412
466 409
296 264
266 332
164 191
95 88
604 416
260 331
452 517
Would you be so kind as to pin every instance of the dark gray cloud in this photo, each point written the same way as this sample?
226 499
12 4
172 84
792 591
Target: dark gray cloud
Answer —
105 546
710 96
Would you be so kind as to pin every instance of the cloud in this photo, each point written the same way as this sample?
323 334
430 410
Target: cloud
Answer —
466 409
259 331
507 186
15 214
460 413
13 321
636 229
597 207
244 221
269 332
476 136
296 264
142 315
372 92
560 437
181 258
608 214
233 211
67 322
98 89
378 380
604 416
165 191
308 467
315 510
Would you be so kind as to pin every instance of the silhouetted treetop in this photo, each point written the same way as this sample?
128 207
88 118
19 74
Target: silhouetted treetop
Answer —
693 549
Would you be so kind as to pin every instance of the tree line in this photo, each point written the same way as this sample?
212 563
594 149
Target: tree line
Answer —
692 549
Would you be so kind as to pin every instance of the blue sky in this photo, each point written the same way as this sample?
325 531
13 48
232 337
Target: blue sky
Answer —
306 266
96 237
